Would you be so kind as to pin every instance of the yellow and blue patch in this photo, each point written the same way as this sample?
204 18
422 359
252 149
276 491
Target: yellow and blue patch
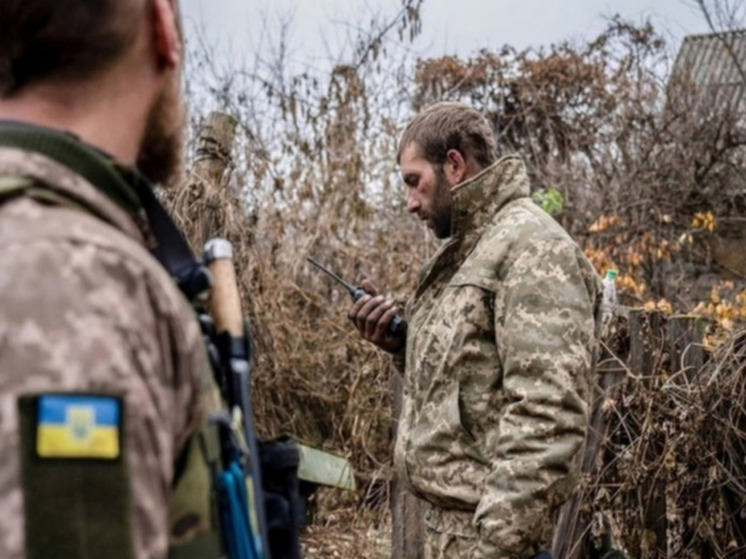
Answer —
78 426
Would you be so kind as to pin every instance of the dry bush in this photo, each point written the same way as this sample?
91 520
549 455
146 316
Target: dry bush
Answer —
642 169
313 173
670 476
650 171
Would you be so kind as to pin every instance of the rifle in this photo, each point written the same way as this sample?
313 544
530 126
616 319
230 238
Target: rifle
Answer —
397 326
228 334
247 531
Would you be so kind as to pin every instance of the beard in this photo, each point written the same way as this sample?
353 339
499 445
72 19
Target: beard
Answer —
160 154
441 209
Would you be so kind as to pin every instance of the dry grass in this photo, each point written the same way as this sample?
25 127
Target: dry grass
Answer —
670 475
343 543
314 176
313 378
342 530
675 449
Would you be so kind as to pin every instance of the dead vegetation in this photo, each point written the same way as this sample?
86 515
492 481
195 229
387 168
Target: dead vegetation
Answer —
670 476
645 179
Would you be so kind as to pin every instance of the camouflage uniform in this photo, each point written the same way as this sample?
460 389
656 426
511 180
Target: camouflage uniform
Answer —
85 308
499 354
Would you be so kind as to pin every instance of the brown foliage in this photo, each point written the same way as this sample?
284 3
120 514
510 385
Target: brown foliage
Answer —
597 123
312 174
670 475
649 175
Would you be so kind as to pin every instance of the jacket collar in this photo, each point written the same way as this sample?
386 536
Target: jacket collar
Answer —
477 200
75 170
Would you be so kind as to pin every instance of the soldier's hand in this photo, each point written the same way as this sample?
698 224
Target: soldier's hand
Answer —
371 315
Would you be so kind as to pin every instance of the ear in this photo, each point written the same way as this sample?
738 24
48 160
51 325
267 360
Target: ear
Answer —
455 167
167 38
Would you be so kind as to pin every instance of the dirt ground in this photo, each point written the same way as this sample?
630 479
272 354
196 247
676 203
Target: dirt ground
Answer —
346 543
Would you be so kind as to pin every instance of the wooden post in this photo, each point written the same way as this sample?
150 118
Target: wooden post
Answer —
571 534
212 158
214 145
684 336
407 511
647 346
646 342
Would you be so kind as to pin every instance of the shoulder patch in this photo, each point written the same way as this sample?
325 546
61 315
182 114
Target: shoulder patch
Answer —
77 493
78 426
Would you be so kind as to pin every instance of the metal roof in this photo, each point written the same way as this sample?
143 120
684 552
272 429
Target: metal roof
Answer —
716 60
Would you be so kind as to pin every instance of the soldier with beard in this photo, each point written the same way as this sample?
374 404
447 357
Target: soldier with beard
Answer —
499 352
103 366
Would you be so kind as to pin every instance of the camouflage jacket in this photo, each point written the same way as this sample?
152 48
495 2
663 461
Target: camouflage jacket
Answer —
499 356
84 308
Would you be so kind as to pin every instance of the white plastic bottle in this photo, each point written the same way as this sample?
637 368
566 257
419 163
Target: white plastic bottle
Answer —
610 300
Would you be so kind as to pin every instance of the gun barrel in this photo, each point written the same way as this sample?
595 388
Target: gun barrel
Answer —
331 274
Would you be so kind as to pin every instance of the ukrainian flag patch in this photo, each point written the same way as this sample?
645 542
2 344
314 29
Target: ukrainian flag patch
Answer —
78 426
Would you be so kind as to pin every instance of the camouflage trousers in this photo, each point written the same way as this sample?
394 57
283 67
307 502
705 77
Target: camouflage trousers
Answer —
449 534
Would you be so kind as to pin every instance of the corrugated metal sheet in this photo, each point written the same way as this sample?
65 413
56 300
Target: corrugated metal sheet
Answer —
715 61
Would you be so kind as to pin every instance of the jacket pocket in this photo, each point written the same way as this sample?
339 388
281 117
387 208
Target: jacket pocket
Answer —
443 460
439 424
453 522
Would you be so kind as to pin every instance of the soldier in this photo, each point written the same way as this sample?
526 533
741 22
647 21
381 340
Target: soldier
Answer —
102 360
499 354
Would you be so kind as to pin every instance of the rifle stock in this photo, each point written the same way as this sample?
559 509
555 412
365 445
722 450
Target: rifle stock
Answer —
278 533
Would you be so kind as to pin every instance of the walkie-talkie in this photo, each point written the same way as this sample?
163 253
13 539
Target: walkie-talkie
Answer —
397 326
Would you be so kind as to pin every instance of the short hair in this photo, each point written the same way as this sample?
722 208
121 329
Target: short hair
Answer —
450 125
63 40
